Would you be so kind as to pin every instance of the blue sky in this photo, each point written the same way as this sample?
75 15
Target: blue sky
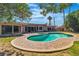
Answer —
37 18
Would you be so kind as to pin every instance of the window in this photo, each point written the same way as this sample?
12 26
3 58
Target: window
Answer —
26 29
6 29
40 28
16 28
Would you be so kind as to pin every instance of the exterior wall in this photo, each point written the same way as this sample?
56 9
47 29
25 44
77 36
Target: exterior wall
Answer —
45 28
39 28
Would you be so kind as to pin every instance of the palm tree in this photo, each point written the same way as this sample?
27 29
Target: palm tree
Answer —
49 8
49 18
63 6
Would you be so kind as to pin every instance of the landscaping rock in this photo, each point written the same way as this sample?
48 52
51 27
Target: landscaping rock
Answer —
2 54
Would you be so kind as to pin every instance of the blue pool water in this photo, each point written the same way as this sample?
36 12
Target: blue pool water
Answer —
48 37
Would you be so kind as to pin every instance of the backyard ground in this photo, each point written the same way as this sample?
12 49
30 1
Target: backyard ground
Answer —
7 49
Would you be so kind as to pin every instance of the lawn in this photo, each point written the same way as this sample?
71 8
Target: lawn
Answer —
6 39
7 49
74 50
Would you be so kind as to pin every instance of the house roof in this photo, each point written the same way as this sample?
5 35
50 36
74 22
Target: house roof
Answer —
23 24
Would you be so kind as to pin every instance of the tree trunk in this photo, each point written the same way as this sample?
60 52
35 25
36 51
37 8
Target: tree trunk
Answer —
63 16
54 20
64 19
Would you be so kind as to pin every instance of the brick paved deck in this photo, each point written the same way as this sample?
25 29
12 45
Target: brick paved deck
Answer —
60 44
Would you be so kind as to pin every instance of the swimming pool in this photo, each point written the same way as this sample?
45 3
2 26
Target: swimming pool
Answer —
48 37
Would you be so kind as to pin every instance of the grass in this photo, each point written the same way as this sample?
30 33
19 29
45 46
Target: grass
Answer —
6 39
73 51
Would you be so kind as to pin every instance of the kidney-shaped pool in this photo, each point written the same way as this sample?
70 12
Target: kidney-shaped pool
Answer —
48 37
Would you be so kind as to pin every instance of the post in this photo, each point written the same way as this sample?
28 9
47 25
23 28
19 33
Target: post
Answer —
0 29
37 28
12 29
24 29
21 29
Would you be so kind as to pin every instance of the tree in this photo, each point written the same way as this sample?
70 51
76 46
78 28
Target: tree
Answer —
72 21
63 6
23 12
49 18
8 11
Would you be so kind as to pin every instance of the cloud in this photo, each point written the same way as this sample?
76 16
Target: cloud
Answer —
38 21
38 18
35 10
37 15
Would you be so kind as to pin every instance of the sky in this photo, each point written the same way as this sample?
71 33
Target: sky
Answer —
38 18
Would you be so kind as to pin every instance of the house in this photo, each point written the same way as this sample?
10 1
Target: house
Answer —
11 28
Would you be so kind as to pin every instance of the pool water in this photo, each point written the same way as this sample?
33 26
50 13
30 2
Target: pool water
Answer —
48 37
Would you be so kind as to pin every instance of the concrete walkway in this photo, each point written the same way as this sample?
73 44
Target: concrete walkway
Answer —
60 44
